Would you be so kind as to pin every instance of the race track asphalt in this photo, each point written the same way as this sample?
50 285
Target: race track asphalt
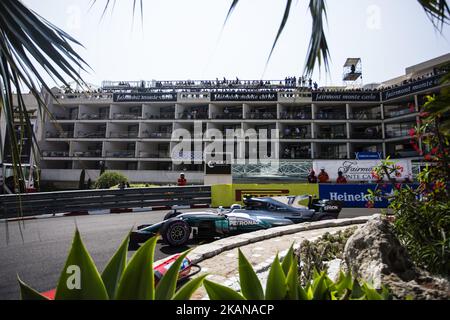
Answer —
36 249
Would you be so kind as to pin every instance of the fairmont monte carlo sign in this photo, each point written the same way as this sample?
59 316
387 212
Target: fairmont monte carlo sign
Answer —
410 88
346 96
145 97
244 96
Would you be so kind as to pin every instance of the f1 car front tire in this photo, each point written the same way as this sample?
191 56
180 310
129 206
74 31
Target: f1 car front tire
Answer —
176 233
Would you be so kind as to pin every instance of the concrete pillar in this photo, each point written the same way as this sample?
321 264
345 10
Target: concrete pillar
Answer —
416 103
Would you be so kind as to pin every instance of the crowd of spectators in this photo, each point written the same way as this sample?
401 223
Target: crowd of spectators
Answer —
290 84
381 88
436 72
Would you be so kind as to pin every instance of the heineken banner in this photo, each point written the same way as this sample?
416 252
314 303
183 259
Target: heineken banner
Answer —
145 97
358 170
350 96
244 96
356 195
411 88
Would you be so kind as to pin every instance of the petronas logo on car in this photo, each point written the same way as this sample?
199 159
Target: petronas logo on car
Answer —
240 223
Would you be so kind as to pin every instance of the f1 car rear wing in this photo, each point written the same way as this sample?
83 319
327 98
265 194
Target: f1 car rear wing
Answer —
302 201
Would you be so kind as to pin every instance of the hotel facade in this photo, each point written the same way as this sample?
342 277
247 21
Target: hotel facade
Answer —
131 126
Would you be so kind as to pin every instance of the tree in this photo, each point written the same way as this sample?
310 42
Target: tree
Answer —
110 179
27 40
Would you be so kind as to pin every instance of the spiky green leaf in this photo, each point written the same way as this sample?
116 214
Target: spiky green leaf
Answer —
250 285
80 279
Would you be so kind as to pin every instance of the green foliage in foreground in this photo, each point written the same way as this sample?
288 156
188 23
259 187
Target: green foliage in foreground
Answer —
283 284
121 280
110 179
134 280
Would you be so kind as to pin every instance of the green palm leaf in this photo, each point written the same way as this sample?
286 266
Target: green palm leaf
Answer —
27 40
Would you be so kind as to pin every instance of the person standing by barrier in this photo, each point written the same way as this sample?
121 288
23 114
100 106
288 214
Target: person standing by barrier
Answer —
182 180
341 179
323 176
312 177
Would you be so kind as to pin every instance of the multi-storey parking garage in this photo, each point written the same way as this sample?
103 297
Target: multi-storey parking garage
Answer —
129 126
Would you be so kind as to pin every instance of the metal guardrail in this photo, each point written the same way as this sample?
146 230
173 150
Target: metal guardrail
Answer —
13 206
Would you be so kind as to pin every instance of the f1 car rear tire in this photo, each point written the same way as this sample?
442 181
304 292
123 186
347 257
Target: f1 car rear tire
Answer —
176 232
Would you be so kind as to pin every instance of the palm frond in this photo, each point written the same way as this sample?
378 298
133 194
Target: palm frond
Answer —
230 11
112 3
318 51
287 10
27 40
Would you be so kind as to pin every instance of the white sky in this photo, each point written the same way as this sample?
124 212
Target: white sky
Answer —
180 38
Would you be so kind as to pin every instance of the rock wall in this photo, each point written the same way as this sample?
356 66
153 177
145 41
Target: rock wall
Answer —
374 254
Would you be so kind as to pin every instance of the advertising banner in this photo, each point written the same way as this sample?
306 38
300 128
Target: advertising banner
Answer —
368 155
244 96
145 97
410 88
355 195
319 96
352 195
358 170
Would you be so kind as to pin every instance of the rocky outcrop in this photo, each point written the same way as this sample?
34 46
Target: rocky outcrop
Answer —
374 254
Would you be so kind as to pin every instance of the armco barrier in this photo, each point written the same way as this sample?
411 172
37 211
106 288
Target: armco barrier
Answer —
355 195
12 206
228 194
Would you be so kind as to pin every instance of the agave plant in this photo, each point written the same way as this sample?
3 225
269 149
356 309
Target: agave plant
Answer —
283 284
120 280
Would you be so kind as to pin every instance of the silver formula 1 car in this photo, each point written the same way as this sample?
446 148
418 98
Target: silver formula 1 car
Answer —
256 214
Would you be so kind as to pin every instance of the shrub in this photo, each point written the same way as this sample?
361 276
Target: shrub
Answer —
313 254
422 220
110 179
283 284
